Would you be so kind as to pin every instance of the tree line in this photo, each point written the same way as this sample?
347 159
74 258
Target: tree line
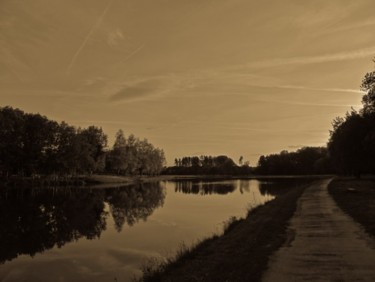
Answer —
31 144
208 165
307 160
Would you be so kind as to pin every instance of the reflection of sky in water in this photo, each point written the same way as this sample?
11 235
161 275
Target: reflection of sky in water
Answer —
183 217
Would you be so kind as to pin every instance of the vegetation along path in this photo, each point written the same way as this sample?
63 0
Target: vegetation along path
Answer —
324 244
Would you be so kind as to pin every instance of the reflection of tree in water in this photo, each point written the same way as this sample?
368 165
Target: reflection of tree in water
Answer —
244 186
35 220
205 188
276 187
134 203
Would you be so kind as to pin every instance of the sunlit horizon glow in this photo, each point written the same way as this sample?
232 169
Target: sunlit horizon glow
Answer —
239 78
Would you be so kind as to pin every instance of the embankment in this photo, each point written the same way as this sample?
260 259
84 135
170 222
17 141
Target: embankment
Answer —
240 254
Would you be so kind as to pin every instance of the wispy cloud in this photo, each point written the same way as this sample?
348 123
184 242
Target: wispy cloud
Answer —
139 48
357 25
86 39
147 88
131 93
319 89
340 56
294 147
114 37
12 63
311 104
137 91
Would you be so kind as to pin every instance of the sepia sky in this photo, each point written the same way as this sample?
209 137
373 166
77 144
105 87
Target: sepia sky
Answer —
234 77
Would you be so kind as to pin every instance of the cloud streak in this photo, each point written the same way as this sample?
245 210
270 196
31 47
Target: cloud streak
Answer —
304 60
134 52
320 89
136 91
86 39
358 25
114 37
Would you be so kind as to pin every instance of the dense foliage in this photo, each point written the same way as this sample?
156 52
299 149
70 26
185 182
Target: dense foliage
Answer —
133 156
307 160
352 140
208 165
31 144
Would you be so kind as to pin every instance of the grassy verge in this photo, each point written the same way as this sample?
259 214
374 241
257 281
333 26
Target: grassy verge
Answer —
356 197
240 254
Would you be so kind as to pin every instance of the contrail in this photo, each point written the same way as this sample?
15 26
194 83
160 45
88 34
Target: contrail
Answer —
134 52
94 27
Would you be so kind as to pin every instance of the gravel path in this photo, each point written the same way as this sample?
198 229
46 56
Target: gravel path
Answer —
324 244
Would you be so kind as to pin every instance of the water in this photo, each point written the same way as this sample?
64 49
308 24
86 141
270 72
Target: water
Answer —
82 234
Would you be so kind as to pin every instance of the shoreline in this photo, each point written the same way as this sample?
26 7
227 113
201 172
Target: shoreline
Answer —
107 180
241 253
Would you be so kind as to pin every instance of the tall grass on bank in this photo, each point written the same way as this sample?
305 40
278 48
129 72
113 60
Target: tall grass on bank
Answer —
241 253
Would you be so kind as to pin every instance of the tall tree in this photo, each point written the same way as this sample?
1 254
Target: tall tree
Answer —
352 139
11 140
368 85
240 161
38 138
117 157
92 142
132 156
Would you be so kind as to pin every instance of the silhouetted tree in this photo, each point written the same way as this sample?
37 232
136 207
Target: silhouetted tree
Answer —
220 165
195 162
368 85
92 142
240 160
304 161
31 144
37 139
11 140
64 155
352 139
116 159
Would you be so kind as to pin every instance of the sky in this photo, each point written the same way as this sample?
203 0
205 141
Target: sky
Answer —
233 77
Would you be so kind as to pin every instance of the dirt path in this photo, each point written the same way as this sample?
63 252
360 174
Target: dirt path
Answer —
324 244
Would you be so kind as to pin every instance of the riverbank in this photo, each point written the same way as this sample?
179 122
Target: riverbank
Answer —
356 197
240 254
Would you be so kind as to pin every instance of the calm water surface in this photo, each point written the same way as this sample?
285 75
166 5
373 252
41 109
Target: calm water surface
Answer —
76 234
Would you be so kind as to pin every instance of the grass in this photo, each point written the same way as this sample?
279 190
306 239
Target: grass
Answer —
154 268
356 197
240 254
